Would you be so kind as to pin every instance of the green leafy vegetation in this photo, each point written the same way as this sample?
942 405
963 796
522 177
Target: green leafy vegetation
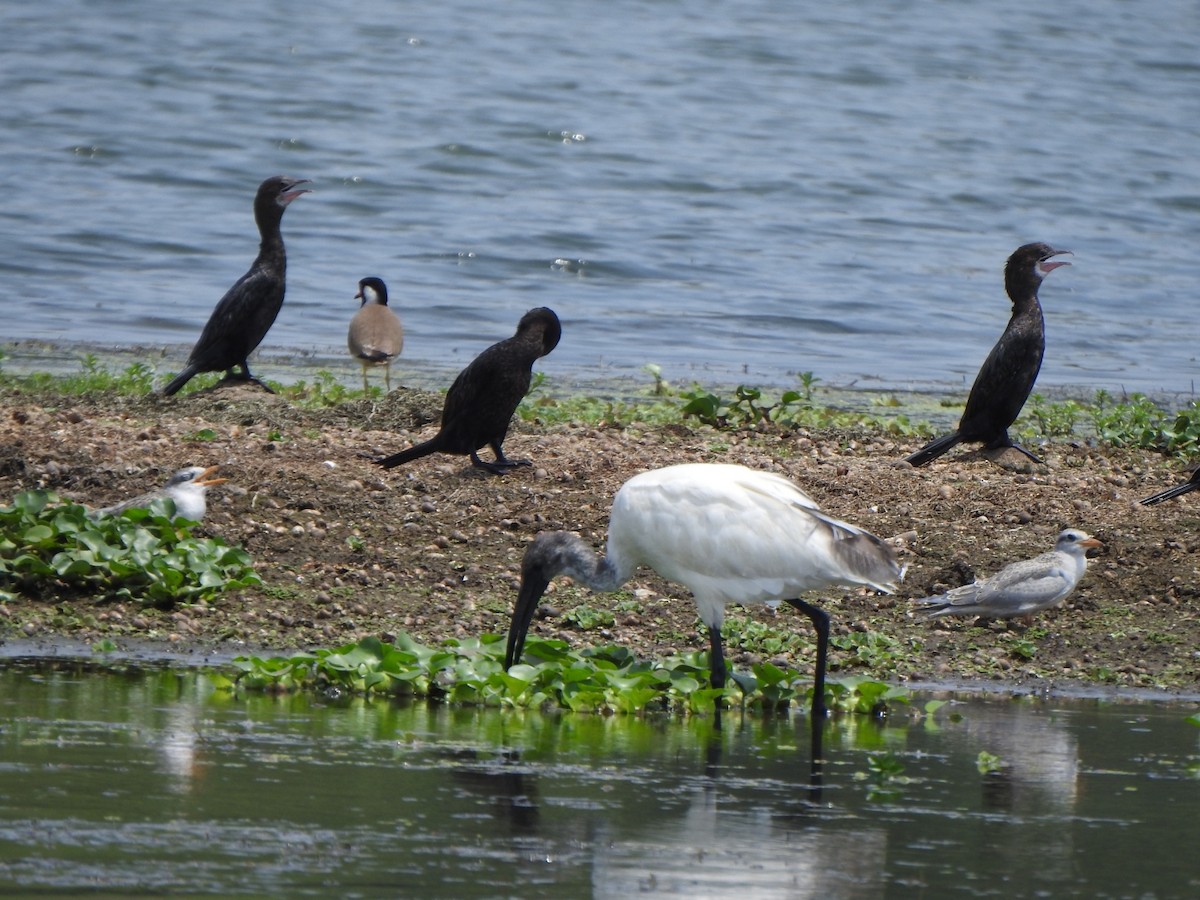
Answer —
1020 647
603 679
1057 419
143 554
988 763
885 776
135 380
324 390
1136 422
587 618
870 649
749 407
743 633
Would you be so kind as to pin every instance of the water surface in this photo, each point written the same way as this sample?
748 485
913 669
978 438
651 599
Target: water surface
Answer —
733 191
123 781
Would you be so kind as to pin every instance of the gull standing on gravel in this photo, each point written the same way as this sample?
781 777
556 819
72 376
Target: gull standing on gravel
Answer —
1021 588
186 488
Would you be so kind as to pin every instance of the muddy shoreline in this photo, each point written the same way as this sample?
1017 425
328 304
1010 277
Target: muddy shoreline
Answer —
348 550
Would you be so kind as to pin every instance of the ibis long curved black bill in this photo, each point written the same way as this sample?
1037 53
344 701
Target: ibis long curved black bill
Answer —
533 586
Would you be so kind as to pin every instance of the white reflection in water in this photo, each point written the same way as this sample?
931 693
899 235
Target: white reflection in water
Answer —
1040 758
1036 788
714 853
177 747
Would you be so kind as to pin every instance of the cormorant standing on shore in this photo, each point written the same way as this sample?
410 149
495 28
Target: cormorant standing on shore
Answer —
246 313
1007 375
481 401
376 336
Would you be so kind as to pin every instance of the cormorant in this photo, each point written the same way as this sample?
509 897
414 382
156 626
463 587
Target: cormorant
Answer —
245 314
481 401
1007 375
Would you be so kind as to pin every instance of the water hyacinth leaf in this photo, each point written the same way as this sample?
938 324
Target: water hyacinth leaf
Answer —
769 675
37 534
442 660
28 564
684 683
471 672
545 649
617 657
33 502
521 672
72 568
141 554
574 674
375 679
635 699
703 700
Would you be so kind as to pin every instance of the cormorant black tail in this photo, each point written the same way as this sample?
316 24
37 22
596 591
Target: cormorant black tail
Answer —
934 449
433 445
180 380
1178 490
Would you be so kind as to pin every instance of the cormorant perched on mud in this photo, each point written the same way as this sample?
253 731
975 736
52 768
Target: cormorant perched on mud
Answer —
376 336
1007 375
246 313
481 401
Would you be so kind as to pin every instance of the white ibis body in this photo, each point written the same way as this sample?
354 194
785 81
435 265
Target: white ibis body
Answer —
727 533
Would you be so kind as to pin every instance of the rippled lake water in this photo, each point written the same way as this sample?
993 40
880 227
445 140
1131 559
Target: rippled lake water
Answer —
131 781
733 191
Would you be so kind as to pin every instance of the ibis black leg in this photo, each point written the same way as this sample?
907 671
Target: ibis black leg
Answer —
820 620
716 657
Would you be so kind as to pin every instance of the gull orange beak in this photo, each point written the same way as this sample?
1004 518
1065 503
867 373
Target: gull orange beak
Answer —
205 481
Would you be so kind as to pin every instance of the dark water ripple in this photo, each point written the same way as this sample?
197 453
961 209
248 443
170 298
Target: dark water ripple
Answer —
686 183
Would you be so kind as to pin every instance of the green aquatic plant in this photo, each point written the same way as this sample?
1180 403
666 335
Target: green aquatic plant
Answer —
1137 423
325 390
750 407
1054 419
743 633
988 763
135 380
202 436
601 679
1181 435
148 555
885 776
1021 647
870 649
586 617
